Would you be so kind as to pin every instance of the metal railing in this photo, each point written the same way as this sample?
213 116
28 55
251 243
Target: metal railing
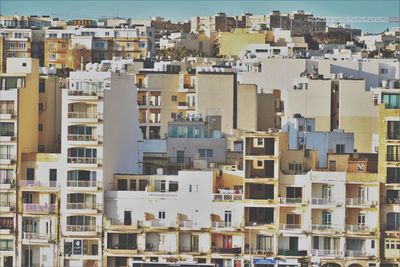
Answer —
325 227
325 253
35 183
81 206
7 133
7 156
358 202
356 253
81 228
6 180
7 203
324 201
28 207
393 157
358 228
85 115
85 92
84 160
84 137
393 227
77 183
38 236
7 111
289 252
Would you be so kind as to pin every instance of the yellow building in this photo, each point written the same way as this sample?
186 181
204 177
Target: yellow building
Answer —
389 172
233 43
57 53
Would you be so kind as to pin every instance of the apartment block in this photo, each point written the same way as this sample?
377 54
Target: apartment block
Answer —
19 98
389 171
95 145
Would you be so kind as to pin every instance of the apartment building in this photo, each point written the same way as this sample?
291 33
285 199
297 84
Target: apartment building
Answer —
64 47
209 24
94 146
389 172
39 210
49 113
22 43
19 98
198 43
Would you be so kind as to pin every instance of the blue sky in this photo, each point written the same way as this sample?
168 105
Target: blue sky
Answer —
184 9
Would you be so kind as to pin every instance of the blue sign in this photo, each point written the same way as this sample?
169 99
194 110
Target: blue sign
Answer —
77 247
264 261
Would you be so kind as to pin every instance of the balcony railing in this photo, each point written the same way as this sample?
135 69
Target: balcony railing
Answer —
40 208
356 253
159 223
288 252
84 137
290 226
7 203
77 183
85 115
84 160
325 253
216 224
393 227
6 180
189 249
179 160
38 236
7 133
7 111
82 206
324 201
393 200
7 156
325 227
285 200
358 228
227 197
81 228
358 202
35 183
85 93
235 251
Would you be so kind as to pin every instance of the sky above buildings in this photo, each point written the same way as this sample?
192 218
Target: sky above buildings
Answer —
184 9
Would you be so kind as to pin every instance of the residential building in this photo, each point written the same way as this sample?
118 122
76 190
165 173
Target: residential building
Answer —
94 146
19 98
388 100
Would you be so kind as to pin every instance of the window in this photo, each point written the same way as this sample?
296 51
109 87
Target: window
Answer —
340 148
393 130
142 184
173 186
174 98
159 185
161 215
30 174
259 164
258 142
193 188
6 129
122 185
296 167
301 128
372 245
206 153
41 148
53 174
40 127
326 218
173 115
132 185
391 100
42 86
384 70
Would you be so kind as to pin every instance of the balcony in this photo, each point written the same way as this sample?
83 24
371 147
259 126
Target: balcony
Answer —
85 160
85 116
188 249
290 201
393 200
228 195
216 224
38 208
81 183
359 228
358 202
186 224
356 253
159 224
6 136
7 159
329 253
392 227
326 228
6 225
179 160
295 253
324 201
82 228
85 94
288 227
41 237
235 251
85 138
35 183
83 206
7 113
7 205
7 183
